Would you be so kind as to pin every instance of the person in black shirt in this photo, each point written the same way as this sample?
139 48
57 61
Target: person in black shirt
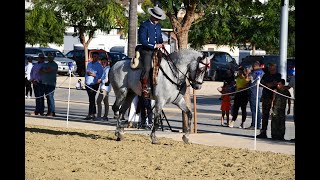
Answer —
270 79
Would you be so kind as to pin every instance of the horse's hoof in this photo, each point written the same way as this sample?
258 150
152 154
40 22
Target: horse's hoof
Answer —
154 141
185 139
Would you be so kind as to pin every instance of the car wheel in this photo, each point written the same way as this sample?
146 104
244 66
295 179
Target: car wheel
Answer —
214 76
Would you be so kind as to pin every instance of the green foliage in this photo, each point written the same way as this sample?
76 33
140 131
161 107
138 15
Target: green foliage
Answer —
43 26
144 16
86 16
238 22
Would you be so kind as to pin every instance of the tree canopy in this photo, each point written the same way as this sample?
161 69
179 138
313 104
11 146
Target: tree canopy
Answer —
241 22
43 26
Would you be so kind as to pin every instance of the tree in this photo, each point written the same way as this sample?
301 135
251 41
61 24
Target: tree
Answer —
182 14
43 26
242 22
88 16
133 20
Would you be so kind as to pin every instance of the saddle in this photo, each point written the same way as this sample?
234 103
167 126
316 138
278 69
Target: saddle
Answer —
155 65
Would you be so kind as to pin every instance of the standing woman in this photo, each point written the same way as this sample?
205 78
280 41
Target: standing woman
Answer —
105 88
93 74
27 71
241 98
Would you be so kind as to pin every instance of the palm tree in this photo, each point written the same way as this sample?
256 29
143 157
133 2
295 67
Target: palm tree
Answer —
133 20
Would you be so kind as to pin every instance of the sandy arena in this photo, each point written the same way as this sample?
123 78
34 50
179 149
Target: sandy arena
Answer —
61 153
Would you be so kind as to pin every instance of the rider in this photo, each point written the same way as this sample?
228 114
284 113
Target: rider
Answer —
150 36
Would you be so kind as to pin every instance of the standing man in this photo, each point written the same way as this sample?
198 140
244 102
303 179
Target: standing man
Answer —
256 73
38 87
93 74
105 88
150 36
49 78
270 79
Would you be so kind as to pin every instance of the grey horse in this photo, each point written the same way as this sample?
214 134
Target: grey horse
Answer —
175 69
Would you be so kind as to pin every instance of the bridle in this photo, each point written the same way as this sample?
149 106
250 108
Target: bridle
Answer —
199 70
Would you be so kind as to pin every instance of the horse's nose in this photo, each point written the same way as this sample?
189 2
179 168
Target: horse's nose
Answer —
197 87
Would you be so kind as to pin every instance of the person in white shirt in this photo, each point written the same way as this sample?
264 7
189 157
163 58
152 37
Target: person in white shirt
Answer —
27 71
105 88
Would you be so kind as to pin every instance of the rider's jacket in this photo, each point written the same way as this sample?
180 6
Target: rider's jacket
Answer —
150 34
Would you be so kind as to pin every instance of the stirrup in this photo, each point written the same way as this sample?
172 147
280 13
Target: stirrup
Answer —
145 93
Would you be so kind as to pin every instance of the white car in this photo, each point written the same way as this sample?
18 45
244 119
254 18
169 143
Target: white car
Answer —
59 58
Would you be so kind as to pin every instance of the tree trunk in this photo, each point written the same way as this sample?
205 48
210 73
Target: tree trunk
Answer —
85 45
133 20
182 44
181 26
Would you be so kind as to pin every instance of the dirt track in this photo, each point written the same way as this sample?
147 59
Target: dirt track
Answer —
61 153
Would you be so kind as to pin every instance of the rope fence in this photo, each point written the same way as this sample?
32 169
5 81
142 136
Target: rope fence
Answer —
257 83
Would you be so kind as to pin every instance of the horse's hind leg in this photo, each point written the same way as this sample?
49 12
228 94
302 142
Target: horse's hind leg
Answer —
120 96
120 123
183 106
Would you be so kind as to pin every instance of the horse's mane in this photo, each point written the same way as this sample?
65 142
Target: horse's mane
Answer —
184 55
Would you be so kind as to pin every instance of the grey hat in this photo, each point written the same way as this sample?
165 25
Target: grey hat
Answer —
157 13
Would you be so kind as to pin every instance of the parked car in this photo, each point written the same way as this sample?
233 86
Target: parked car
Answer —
78 56
59 58
219 64
117 56
266 59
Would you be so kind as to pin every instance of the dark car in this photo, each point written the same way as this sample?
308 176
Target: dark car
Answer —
266 59
78 56
59 58
117 56
219 64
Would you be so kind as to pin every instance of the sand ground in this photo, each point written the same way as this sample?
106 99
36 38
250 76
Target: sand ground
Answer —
61 153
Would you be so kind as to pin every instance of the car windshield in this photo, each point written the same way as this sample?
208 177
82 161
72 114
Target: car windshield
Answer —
54 53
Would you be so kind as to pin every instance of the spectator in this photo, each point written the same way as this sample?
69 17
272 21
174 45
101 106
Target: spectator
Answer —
134 113
256 73
225 103
279 105
49 78
145 112
38 87
79 85
93 73
27 71
270 79
241 98
105 88
292 85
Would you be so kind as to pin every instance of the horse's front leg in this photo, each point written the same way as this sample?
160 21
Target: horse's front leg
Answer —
183 106
155 126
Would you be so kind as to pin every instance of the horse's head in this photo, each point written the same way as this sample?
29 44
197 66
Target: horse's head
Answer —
197 70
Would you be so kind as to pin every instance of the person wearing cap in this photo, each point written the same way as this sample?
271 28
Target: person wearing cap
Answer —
49 78
150 37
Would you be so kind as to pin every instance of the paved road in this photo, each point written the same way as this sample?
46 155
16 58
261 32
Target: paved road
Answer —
208 110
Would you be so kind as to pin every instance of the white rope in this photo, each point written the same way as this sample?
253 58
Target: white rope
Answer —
49 92
93 89
277 92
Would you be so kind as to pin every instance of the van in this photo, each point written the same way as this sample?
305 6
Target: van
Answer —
219 64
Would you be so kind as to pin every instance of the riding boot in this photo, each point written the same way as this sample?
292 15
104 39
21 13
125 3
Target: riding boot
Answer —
145 91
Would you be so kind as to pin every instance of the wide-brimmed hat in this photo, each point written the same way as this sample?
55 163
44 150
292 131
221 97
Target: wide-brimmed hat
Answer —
157 13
